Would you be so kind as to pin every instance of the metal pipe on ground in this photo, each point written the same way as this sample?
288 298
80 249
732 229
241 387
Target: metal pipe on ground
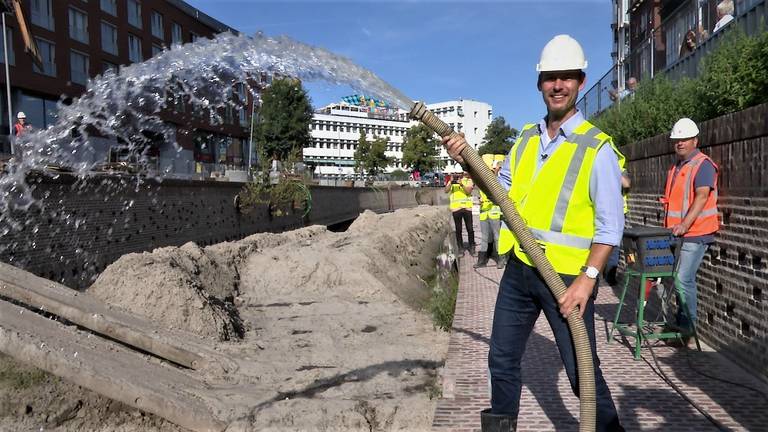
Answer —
486 179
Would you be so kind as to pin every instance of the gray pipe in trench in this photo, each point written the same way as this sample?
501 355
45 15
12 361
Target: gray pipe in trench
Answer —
486 179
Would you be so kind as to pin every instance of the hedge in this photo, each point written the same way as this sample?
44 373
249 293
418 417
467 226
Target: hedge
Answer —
734 76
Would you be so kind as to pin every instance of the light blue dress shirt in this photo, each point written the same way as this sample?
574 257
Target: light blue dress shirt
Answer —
604 183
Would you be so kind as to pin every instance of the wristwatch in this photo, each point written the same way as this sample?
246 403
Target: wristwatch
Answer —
590 272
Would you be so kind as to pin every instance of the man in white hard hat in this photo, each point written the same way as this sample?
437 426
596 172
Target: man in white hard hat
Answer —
564 176
690 200
21 125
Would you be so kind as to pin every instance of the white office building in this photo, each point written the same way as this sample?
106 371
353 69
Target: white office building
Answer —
336 129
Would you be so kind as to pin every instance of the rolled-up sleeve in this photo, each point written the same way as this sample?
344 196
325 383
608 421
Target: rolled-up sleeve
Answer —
605 191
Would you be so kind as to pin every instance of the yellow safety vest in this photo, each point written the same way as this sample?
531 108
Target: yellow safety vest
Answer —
561 213
458 198
488 209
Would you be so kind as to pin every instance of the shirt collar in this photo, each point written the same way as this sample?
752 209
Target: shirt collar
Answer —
567 127
689 158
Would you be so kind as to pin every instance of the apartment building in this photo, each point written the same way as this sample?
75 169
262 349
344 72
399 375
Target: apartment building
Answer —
336 129
80 39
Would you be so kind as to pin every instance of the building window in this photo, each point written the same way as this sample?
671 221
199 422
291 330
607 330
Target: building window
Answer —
42 13
242 101
78 25
156 49
134 13
107 66
134 48
157 25
176 37
194 36
48 54
11 54
78 65
108 38
109 6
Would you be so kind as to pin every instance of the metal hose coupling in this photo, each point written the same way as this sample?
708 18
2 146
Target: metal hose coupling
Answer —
487 181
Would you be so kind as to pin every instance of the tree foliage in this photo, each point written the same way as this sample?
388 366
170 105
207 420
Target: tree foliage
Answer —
420 148
499 137
732 78
370 156
285 116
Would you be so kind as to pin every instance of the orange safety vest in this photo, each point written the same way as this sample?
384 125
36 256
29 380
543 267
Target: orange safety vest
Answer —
679 194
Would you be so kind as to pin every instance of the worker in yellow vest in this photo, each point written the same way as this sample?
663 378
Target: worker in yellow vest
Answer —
460 202
490 223
563 176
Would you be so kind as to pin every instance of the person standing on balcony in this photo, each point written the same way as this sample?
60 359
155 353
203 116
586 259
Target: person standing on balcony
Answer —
689 43
724 15
563 175
630 89
690 201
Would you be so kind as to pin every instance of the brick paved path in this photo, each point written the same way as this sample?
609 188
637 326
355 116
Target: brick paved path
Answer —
644 401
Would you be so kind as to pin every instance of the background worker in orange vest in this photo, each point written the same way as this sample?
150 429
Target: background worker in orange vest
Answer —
21 125
690 200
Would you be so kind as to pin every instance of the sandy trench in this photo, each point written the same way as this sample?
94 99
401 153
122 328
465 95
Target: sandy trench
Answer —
327 330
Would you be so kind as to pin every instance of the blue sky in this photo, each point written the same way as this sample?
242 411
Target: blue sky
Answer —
435 50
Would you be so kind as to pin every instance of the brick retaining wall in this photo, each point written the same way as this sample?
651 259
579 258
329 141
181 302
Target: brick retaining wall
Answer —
733 281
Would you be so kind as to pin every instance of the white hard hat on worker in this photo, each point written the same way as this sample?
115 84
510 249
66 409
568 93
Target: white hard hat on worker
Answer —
560 54
561 75
685 138
684 128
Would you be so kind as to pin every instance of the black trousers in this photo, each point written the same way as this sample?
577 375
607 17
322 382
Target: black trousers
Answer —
466 216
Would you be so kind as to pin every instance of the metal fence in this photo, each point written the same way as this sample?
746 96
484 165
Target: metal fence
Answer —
664 48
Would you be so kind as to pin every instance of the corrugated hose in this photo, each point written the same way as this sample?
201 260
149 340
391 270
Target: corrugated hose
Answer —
486 179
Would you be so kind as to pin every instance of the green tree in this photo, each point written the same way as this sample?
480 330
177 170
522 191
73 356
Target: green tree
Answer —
370 157
284 119
361 152
499 137
420 149
377 159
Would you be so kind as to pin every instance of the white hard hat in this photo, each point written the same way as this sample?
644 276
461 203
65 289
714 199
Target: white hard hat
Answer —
21 115
684 128
562 53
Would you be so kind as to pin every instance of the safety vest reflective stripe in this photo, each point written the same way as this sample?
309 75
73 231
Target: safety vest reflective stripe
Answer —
588 140
562 239
525 138
704 213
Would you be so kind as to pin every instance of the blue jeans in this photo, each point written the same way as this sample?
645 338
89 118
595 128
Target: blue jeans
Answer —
688 262
523 294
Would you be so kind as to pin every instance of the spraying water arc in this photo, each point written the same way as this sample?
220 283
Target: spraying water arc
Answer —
487 181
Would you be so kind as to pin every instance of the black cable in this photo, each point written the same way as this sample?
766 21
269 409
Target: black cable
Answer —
667 299
658 371
485 277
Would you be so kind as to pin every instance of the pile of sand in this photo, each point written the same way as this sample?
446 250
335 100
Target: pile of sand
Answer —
327 330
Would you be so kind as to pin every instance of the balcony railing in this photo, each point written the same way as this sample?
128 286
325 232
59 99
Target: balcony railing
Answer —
663 51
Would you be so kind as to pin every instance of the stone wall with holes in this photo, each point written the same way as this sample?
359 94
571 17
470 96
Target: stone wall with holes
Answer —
78 227
733 278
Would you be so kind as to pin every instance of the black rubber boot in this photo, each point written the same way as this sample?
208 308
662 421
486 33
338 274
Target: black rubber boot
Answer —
471 250
497 422
502 261
482 260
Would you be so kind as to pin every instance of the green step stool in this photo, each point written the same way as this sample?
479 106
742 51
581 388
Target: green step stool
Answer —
648 255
